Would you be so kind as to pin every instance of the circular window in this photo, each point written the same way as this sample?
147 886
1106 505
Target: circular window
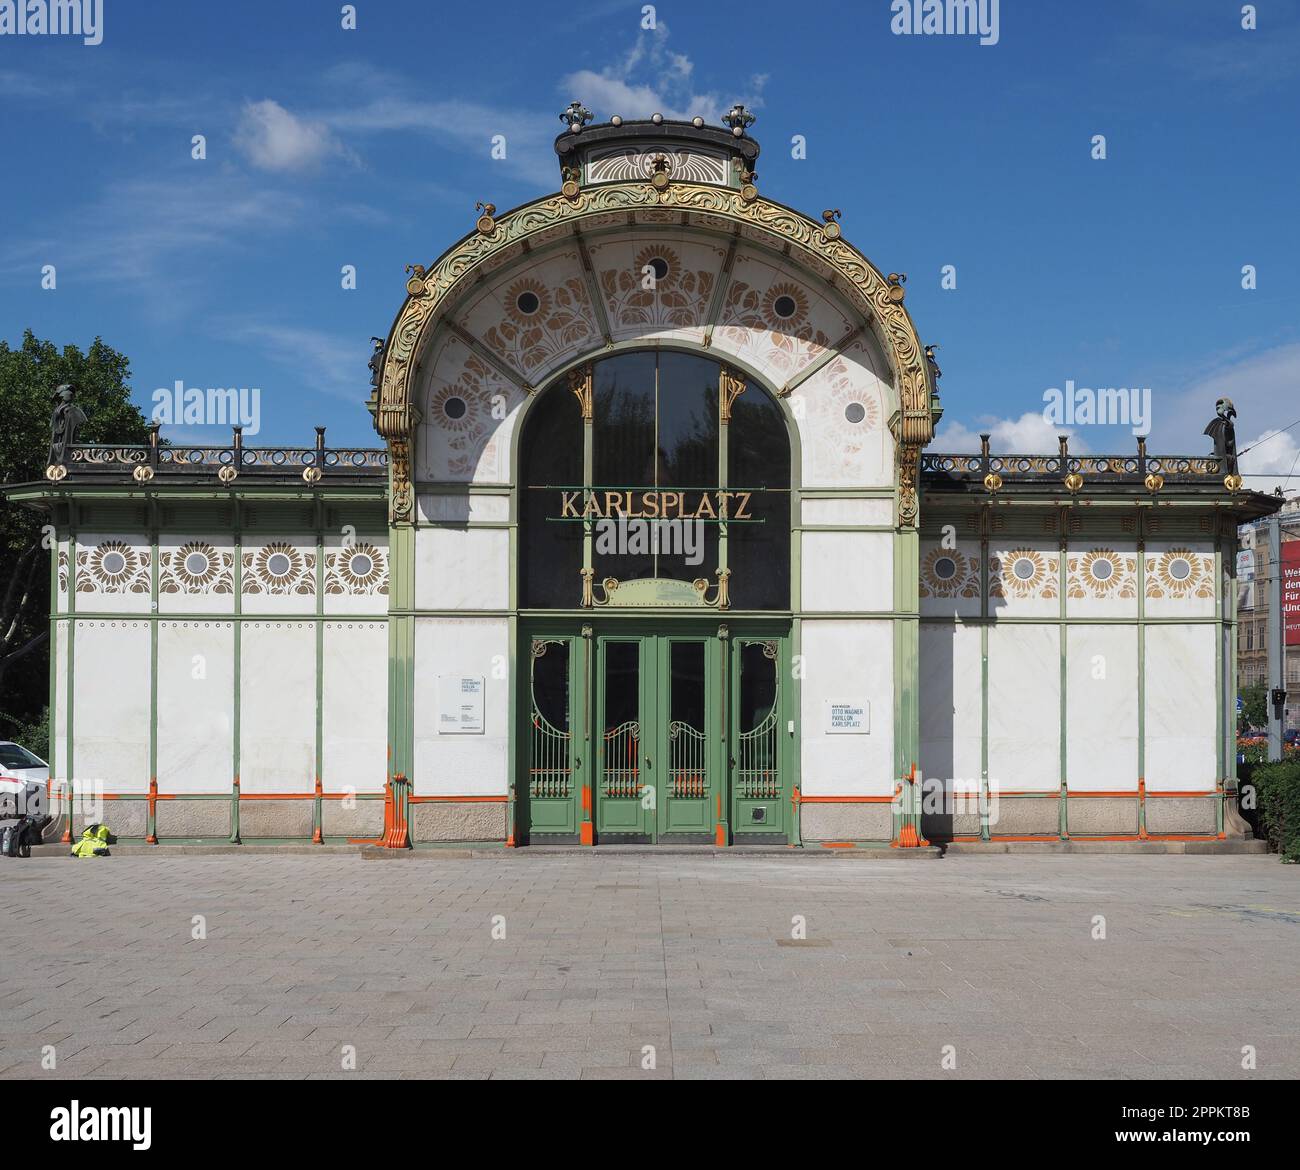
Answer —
855 412
1023 568
1102 569
455 407
945 568
1180 568
113 563
528 302
361 565
278 565
196 564
784 306
659 266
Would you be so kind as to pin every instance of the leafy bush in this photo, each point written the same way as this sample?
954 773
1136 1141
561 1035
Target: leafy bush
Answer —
1277 788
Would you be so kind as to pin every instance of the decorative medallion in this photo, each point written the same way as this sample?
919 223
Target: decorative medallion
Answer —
775 323
113 567
359 570
196 568
1179 573
1023 573
1101 572
658 291
947 573
280 569
541 322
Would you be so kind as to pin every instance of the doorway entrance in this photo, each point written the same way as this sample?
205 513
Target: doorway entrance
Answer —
642 737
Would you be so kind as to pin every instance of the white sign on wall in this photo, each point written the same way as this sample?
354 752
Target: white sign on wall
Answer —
460 705
848 717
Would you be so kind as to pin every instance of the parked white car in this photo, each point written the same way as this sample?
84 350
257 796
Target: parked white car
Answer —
22 781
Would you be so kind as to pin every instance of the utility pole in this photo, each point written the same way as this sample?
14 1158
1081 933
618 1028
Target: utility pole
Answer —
1276 641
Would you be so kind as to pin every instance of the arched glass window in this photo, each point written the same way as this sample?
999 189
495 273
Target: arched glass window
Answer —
659 468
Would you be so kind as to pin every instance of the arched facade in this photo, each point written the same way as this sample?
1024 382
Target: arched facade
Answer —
547 296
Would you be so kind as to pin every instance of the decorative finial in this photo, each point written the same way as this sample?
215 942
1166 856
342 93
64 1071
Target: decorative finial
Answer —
739 119
576 116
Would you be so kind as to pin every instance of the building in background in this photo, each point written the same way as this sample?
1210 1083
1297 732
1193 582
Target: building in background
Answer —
1254 575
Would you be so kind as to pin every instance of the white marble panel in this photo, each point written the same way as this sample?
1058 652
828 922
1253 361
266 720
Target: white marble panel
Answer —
950 578
196 706
951 705
847 571
1024 708
462 568
1101 710
1179 578
848 511
278 707
1181 749
356 574
278 574
1024 578
1101 579
462 764
196 574
464 509
847 661
355 707
110 717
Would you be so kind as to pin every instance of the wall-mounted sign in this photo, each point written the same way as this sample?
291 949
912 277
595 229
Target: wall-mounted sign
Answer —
460 705
655 504
848 717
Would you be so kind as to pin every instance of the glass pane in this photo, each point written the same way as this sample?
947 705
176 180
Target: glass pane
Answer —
551 460
550 772
623 458
551 684
757 686
687 771
622 730
758 461
688 462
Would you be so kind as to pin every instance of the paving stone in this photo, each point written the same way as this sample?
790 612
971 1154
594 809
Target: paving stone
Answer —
605 955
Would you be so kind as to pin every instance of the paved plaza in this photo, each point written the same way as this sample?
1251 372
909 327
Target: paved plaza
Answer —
650 965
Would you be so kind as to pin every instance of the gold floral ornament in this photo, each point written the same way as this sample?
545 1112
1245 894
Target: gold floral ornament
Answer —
674 298
280 569
1023 573
947 573
540 321
113 567
1179 573
359 570
1101 572
196 567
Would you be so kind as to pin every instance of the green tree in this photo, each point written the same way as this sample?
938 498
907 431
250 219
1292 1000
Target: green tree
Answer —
29 376
1254 711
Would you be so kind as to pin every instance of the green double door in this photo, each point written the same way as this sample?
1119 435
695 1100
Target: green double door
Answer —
640 737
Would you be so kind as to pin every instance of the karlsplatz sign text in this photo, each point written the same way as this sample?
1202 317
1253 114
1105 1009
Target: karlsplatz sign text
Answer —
655 505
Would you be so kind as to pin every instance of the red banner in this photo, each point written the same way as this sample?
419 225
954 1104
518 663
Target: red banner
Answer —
1291 591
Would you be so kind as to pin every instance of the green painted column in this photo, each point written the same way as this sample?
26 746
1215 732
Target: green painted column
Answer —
907 708
401 675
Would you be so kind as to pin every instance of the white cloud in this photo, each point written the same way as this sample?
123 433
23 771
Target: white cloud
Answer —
1030 434
650 78
273 139
1272 459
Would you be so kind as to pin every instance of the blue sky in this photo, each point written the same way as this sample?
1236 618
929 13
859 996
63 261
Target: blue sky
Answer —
370 147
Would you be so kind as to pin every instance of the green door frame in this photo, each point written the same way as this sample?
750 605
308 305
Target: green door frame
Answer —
722 816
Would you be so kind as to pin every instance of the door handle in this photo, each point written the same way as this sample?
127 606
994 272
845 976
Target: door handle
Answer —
649 763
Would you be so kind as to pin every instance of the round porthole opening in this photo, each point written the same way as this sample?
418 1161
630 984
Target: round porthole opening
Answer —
113 563
196 564
278 565
361 565
1102 569
945 568
456 407
659 266
784 306
1180 569
1023 568
528 302
855 412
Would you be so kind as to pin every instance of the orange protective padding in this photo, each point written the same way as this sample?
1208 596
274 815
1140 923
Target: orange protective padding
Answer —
586 833
846 799
586 799
720 836
908 838
460 799
838 845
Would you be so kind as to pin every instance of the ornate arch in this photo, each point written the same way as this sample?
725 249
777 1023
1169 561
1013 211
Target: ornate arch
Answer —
429 291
